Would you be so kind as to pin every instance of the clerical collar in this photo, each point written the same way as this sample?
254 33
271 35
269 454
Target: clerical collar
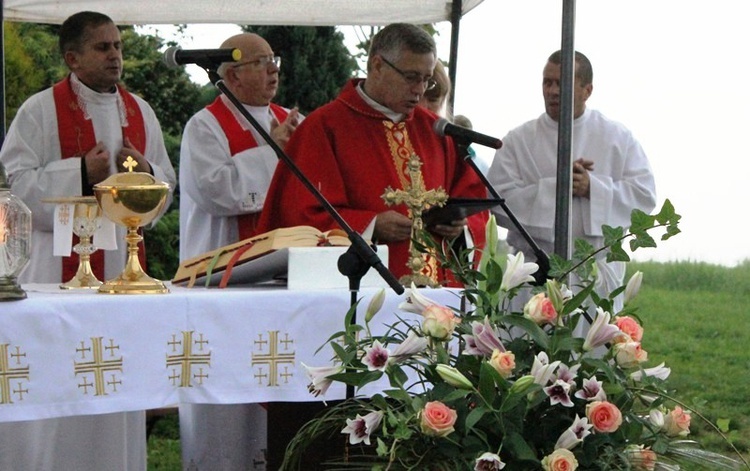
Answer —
262 114
392 115
86 96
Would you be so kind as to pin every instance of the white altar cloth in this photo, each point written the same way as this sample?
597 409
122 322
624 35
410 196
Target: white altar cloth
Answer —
66 353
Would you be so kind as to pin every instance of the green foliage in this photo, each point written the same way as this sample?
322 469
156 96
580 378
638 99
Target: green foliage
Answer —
31 63
162 246
169 91
694 310
315 64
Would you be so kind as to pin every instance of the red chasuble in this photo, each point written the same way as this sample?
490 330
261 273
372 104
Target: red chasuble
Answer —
77 138
240 140
352 153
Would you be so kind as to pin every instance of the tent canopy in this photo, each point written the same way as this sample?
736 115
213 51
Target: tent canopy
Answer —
251 12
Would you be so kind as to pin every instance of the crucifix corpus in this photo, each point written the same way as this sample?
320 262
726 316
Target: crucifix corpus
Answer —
418 199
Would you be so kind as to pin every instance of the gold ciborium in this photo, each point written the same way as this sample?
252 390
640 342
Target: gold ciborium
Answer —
86 221
132 200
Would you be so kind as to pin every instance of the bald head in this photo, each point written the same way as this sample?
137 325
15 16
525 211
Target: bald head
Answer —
249 44
255 78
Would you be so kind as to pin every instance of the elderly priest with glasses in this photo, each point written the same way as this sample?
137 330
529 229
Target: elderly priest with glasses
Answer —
366 141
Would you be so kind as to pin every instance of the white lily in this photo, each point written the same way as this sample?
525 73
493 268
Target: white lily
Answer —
517 272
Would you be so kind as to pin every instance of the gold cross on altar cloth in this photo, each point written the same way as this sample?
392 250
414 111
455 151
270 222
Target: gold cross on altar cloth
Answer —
418 199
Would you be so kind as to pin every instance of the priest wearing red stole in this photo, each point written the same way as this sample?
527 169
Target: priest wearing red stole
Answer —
361 143
225 170
69 137
62 141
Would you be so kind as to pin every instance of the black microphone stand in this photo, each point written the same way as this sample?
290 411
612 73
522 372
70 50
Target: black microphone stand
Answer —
542 259
359 257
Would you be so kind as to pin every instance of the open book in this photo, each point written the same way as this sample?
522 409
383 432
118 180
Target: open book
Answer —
256 259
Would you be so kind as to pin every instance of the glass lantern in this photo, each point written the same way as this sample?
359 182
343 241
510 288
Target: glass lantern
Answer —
15 241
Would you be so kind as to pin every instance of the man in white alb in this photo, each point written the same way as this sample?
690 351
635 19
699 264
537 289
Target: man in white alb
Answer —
225 170
611 174
63 141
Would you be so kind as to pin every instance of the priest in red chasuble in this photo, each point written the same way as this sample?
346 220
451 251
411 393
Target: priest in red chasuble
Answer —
358 145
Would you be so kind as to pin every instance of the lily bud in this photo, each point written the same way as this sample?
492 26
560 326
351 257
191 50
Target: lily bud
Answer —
375 304
634 284
453 377
522 385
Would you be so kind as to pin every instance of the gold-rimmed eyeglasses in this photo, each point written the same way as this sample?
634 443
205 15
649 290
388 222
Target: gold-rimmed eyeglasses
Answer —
261 62
413 78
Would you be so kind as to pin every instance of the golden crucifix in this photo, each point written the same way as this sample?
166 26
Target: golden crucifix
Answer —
418 199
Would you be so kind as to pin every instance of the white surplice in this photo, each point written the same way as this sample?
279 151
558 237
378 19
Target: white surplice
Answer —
216 187
36 170
524 172
31 156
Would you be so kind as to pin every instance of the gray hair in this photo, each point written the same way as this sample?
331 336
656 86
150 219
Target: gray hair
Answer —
392 40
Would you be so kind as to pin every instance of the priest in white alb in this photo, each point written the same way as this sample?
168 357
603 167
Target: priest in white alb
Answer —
63 141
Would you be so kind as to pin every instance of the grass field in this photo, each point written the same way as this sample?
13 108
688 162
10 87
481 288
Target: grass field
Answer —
695 321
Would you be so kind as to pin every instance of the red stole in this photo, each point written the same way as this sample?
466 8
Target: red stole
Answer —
77 138
241 139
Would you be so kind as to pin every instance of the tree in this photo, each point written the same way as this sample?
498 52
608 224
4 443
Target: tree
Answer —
315 63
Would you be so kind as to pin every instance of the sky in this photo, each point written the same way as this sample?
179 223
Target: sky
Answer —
672 71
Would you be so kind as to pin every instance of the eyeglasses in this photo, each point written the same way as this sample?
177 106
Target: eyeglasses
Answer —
261 63
413 78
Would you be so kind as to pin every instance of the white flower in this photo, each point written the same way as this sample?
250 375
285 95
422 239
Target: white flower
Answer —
360 428
542 370
375 304
415 301
488 462
517 272
319 378
483 339
601 331
656 418
592 390
376 357
634 284
662 372
412 345
559 393
574 434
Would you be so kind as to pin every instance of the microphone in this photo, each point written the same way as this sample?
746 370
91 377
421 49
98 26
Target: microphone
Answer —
207 58
443 127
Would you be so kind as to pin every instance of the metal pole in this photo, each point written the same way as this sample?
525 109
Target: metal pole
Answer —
456 11
564 190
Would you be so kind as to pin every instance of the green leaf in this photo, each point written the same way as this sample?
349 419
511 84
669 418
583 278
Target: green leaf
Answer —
487 382
518 447
723 425
474 417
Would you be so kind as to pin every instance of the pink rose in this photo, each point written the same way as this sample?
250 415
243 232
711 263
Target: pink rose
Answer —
540 310
630 327
677 423
629 354
503 362
604 416
641 459
561 459
437 419
439 322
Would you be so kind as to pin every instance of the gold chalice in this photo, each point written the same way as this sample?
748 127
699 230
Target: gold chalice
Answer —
132 200
86 221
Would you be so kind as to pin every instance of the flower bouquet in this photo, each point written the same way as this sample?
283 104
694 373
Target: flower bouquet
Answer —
558 382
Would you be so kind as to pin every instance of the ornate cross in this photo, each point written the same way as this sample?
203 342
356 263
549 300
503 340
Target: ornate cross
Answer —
130 163
418 199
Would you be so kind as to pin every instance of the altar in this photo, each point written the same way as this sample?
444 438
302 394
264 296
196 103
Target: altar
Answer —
65 353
